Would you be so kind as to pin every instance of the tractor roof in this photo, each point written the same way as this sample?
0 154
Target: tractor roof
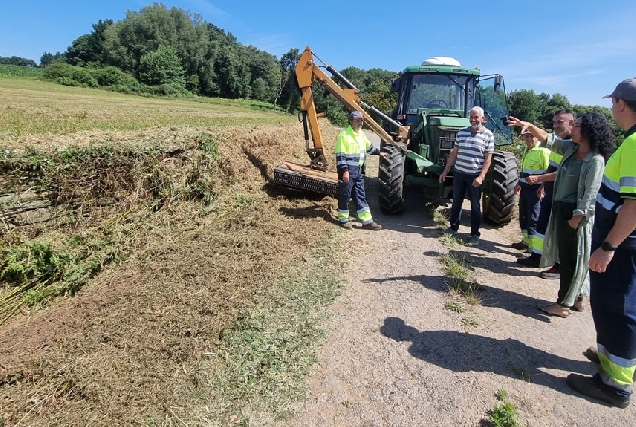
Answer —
441 69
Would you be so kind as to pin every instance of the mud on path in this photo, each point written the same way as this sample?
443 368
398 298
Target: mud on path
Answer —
396 357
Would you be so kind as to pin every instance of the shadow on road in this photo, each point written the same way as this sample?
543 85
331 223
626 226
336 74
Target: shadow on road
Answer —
461 352
489 296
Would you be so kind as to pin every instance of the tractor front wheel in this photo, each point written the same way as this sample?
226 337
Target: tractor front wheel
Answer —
498 199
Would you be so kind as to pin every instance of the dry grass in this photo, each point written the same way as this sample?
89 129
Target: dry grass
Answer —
138 343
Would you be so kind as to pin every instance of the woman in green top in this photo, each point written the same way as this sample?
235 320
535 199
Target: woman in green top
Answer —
569 233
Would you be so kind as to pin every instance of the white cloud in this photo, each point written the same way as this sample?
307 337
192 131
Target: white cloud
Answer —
276 44
206 8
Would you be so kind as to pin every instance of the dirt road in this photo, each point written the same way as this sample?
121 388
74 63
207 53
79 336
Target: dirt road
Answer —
397 357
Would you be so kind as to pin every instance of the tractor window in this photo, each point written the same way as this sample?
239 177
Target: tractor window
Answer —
438 91
493 100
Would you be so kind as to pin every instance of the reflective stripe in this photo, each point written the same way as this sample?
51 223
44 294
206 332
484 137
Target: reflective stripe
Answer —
364 215
536 244
612 185
605 203
343 216
351 147
620 361
628 181
533 172
616 371
608 380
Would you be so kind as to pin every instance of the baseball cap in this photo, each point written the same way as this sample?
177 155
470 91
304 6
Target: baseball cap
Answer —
526 131
355 114
624 90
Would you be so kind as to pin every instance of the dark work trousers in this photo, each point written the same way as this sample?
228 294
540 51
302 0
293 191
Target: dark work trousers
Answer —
529 210
546 208
354 189
566 245
544 214
613 303
461 183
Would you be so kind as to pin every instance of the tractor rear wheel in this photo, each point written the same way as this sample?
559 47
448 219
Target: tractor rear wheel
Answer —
498 200
391 181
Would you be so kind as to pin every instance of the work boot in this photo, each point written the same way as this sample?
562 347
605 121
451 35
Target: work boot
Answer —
372 226
346 225
528 262
450 230
550 273
522 246
592 355
590 387
474 240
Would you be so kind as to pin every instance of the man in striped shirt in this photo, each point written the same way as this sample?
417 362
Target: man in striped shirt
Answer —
471 157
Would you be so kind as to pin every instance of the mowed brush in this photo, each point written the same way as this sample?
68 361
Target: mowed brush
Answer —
192 239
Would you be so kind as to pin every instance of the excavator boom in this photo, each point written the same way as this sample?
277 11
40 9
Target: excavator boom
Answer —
314 177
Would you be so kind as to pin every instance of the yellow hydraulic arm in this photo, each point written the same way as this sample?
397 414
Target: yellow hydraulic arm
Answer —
307 73
315 177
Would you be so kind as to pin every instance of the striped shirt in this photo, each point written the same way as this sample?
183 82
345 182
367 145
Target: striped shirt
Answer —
473 147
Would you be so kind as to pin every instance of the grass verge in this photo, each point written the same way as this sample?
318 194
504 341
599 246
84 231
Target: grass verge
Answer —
259 368
456 267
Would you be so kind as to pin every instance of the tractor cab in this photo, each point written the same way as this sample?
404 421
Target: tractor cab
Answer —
434 100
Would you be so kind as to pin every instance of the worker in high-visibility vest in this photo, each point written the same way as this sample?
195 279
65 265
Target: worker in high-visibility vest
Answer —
352 147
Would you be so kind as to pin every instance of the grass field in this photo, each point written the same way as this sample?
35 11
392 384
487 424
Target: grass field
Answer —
33 107
173 284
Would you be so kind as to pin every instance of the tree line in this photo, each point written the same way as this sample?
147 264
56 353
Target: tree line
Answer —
173 52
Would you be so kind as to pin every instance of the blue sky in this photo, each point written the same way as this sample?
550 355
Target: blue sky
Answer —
580 49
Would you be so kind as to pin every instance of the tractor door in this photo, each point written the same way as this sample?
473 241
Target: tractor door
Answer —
491 96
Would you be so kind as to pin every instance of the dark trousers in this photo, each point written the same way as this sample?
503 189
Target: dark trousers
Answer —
461 183
566 245
613 303
544 214
545 209
354 189
529 209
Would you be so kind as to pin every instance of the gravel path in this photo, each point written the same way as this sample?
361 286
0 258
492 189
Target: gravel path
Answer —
396 356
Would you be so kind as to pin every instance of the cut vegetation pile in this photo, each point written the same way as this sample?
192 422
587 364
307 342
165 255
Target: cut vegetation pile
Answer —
150 261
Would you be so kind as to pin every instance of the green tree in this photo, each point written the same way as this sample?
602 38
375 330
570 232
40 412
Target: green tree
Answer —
265 70
525 105
48 58
16 60
162 67
288 94
233 74
89 48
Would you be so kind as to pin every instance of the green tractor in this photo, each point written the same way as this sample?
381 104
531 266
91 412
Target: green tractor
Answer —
434 100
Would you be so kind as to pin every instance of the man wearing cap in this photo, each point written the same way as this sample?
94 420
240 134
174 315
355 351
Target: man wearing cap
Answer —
351 149
471 157
535 162
613 265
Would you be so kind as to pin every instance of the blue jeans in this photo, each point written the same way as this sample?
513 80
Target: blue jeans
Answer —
461 183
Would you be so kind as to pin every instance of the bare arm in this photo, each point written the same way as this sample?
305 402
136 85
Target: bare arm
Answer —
484 170
536 179
449 163
625 224
535 130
